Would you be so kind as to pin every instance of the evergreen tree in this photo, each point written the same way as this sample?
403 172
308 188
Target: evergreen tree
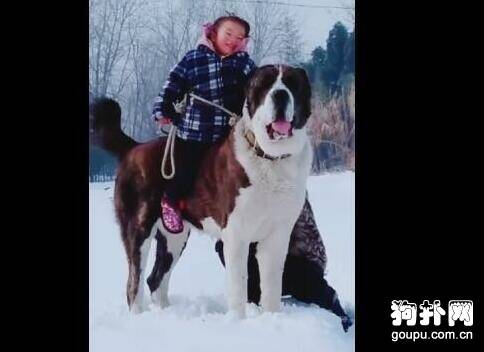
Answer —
315 67
318 56
349 54
348 73
335 48
291 44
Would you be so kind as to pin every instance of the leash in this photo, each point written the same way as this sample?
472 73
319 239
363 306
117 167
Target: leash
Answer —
169 148
233 116
170 141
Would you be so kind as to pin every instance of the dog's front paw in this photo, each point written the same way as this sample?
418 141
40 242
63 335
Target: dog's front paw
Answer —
236 314
236 309
137 308
159 299
271 305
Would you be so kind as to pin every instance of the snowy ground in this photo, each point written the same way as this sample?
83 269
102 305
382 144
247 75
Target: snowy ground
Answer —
196 319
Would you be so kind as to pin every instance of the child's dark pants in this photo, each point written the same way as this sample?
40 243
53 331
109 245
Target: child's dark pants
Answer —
188 158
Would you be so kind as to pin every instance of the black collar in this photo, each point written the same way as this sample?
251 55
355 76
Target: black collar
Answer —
250 137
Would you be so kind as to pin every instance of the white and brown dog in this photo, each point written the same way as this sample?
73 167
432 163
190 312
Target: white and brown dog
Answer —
250 188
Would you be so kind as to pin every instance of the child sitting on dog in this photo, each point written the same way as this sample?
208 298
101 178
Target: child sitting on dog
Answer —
217 71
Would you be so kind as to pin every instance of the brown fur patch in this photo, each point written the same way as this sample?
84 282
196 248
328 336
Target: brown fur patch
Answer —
139 185
218 183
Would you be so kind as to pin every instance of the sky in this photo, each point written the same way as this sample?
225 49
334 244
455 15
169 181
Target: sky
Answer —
315 23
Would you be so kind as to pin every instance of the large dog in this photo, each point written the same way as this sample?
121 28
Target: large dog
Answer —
250 189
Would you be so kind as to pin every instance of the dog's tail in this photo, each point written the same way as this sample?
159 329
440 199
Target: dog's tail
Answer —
105 127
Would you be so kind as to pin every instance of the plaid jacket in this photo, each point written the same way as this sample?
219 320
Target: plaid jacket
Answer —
205 73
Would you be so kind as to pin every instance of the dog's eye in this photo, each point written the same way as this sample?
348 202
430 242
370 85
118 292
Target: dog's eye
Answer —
268 79
262 84
292 83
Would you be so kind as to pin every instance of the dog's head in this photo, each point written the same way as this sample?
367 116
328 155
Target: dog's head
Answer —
278 104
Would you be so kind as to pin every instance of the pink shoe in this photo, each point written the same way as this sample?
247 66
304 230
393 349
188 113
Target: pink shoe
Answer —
171 217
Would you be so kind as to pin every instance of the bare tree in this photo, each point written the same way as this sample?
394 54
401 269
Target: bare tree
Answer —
274 32
174 28
109 49
290 47
267 23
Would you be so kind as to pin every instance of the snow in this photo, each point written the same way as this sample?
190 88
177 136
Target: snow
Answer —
196 320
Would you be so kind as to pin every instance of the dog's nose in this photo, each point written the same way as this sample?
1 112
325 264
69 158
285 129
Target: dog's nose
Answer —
280 98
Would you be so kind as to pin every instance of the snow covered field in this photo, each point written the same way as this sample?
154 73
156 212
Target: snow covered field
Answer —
196 320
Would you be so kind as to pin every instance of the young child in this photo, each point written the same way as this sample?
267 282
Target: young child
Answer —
216 70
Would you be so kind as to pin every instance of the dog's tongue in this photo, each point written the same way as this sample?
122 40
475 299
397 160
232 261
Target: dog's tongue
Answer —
282 127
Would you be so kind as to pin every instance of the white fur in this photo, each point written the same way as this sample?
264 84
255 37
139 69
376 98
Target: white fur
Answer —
174 245
277 188
211 228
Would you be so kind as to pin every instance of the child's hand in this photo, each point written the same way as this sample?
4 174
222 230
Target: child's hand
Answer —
163 121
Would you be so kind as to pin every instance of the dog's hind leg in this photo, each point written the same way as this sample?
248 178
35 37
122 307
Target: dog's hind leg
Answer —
169 248
137 251
137 233
304 280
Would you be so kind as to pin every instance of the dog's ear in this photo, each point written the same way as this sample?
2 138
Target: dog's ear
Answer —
250 91
303 108
246 87
303 73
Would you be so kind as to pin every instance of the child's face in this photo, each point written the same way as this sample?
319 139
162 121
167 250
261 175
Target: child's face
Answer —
228 38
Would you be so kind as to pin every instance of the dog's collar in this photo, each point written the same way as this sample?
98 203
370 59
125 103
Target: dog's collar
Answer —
250 137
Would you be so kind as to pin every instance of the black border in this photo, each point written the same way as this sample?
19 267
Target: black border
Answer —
417 158
414 226
49 148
